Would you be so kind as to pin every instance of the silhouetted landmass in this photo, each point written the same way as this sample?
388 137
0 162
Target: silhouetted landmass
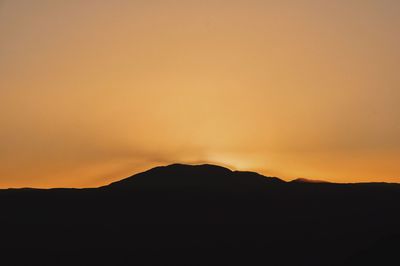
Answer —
306 180
202 215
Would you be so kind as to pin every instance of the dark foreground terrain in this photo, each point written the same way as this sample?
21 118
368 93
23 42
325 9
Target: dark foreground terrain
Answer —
202 215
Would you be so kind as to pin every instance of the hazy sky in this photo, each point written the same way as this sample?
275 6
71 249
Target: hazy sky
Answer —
94 91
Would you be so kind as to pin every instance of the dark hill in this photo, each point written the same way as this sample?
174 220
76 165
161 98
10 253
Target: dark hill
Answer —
206 176
305 180
202 215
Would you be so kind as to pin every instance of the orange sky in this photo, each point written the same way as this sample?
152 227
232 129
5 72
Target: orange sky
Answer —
94 91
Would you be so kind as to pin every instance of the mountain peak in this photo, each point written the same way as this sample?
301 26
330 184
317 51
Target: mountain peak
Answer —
193 176
305 180
201 167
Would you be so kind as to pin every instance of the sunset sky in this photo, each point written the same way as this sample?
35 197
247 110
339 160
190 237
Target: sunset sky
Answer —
94 91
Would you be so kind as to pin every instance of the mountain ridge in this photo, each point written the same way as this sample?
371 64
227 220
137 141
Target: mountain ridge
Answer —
193 175
207 169
204 215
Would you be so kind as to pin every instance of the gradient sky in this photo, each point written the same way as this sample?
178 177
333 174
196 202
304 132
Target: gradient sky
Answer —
94 91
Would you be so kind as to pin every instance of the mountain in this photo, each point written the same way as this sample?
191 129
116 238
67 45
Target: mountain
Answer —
206 176
306 180
202 215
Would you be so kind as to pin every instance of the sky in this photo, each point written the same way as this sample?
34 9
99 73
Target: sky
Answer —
95 91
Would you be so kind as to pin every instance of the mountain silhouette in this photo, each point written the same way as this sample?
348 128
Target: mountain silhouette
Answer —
202 215
306 180
206 176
